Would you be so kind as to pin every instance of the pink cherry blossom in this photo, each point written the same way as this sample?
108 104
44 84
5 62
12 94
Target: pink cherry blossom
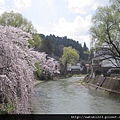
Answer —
17 63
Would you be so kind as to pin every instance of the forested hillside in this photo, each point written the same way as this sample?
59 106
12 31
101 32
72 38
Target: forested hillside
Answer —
53 45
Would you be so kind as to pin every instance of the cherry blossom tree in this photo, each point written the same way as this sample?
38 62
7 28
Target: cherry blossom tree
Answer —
17 63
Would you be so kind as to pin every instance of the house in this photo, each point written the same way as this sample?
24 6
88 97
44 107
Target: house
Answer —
103 61
74 69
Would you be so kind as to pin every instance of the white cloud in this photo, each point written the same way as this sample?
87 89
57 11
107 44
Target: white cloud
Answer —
2 1
39 28
81 6
50 1
84 6
73 30
22 4
76 29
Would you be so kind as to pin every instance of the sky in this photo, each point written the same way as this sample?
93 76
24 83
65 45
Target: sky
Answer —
71 18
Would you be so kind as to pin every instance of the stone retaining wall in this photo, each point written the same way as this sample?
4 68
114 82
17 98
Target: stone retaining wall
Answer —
110 84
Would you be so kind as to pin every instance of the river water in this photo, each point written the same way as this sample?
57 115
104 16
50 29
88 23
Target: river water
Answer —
68 96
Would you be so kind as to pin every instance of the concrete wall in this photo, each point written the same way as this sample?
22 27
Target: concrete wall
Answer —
110 84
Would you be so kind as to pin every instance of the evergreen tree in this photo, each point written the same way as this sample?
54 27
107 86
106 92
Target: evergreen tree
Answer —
85 51
58 43
46 46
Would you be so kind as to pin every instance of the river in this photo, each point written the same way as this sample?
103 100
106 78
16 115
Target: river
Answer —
68 96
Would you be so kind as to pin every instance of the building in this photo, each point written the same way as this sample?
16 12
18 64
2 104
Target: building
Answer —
74 69
103 61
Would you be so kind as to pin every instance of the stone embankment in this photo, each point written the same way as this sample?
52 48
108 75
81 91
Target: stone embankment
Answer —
106 84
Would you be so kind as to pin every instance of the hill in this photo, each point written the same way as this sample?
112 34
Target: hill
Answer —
53 46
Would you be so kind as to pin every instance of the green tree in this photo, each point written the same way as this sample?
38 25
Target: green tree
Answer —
85 51
38 72
16 20
70 55
106 28
47 46
85 48
35 42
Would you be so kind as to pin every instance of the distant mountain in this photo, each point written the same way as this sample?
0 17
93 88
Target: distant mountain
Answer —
53 45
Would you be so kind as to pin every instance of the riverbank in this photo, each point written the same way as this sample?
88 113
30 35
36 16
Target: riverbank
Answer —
111 85
36 82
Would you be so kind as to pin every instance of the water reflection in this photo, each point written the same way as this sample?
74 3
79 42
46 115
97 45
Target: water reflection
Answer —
66 96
